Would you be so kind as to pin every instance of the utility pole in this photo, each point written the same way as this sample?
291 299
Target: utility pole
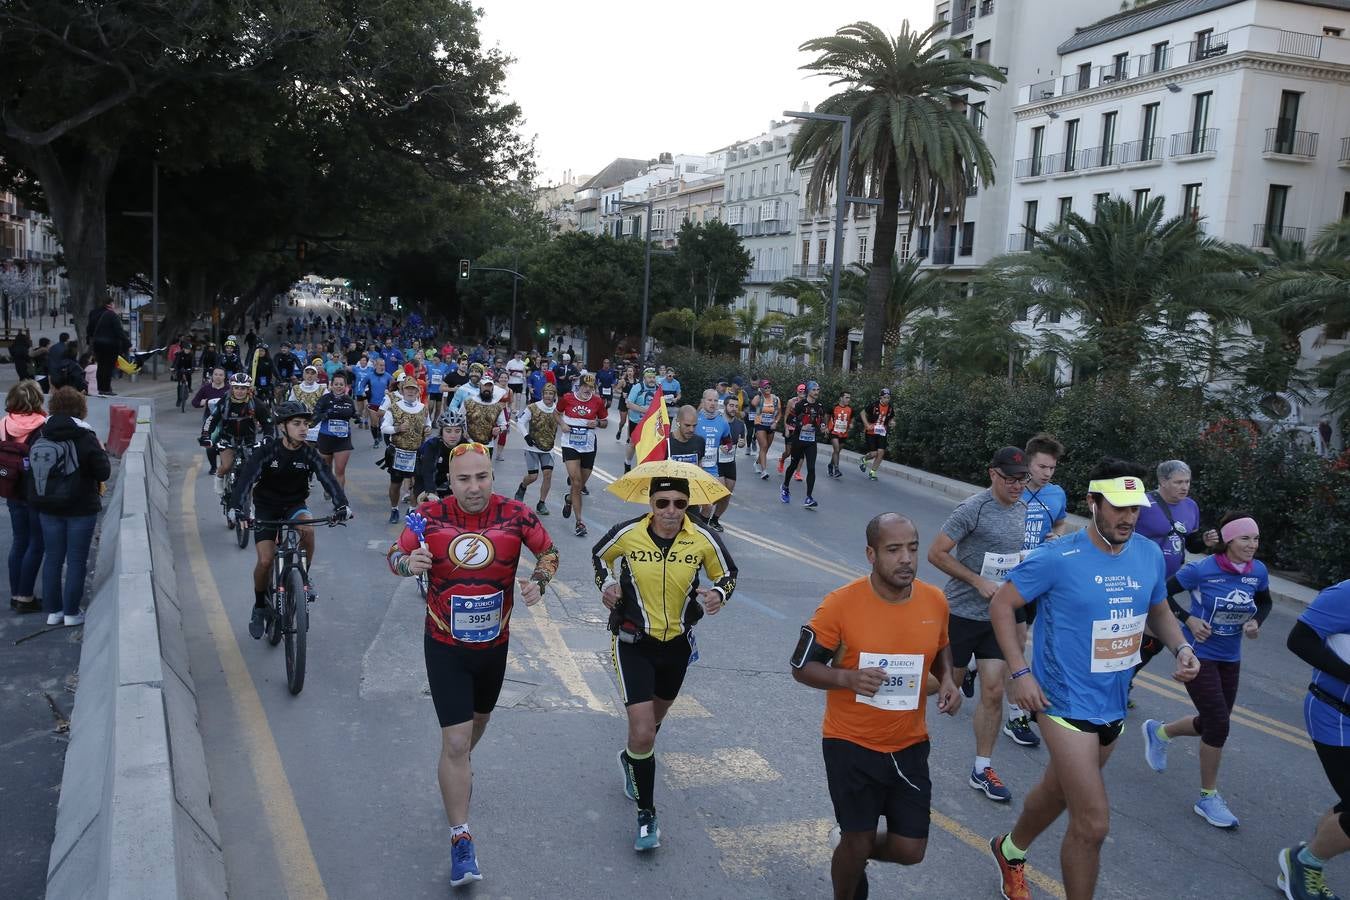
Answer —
646 268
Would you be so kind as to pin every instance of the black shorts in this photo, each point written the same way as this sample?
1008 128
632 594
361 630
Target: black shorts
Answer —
874 442
328 445
587 458
971 637
1336 763
868 784
727 470
269 512
1026 615
463 680
1106 732
650 668
764 428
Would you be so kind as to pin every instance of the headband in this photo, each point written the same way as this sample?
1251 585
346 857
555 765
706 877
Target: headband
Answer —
1239 528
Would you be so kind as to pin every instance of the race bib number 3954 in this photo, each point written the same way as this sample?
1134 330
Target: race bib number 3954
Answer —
475 620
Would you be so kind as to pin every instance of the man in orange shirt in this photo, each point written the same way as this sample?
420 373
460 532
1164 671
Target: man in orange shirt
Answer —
841 420
872 645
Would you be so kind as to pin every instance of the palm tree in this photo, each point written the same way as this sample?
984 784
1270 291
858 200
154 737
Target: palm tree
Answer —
975 337
912 139
910 292
1122 274
813 307
757 334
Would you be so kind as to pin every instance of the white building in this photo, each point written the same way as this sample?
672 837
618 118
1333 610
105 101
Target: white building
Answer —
760 203
1234 111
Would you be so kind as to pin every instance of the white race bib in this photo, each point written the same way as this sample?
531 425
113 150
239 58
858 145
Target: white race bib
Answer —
476 620
807 435
726 453
405 460
997 565
312 434
766 419
339 427
879 430
1229 620
579 439
1116 643
709 451
904 684
437 378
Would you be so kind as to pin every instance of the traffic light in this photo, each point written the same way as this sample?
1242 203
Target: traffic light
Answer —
463 270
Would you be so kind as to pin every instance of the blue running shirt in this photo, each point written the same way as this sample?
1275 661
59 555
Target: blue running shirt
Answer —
1090 615
1223 599
713 431
1329 616
1045 507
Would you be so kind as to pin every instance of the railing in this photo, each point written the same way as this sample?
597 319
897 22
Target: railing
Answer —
805 215
963 22
1021 242
1295 44
1140 151
765 276
1345 149
1099 157
812 270
1286 142
1075 82
7 207
1193 143
1036 166
1152 62
1262 233
1041 90
1116 71
944 256
986 8
966 250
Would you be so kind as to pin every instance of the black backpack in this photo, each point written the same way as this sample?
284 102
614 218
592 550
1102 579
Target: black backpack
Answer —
13 464
54 467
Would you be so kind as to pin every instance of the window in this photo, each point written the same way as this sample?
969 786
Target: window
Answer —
1085 76
1070 145
806 252
925 232
1190 201
1065 207
967 238
903 242
1120 65
1328 31
1345 205
820 252
1029 212
1276 201
1148 133
977 116
862 249
764 180
982 50
1108 139
1287 123
1157 61
1203 40
1097 201
1037 148
1140 199
1200 122
777 175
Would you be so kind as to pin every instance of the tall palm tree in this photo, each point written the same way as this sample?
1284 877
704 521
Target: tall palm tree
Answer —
1122 274
813 307
757 334
910 291
912 141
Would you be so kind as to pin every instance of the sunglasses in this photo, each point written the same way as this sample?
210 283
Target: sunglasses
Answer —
663 502
471 446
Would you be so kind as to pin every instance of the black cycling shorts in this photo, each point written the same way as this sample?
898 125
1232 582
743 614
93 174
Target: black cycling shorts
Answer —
971 637
867 784
587 458
1336 763
874 442
268 512
1106 732
650 668
727 470
328 445
463 680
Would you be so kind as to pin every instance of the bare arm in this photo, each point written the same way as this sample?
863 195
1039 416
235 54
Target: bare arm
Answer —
940 555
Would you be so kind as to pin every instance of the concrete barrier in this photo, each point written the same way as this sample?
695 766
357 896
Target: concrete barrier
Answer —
134 818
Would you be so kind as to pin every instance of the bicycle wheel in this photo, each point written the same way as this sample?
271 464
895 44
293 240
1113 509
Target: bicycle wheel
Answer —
278 619
295 628
182 395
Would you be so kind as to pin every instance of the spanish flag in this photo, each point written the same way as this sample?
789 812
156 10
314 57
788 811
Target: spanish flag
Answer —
650 432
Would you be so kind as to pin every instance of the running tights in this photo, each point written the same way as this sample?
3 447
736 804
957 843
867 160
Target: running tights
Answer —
800 450
1214 691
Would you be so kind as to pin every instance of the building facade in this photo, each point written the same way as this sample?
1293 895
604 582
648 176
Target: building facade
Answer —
30 280
760 200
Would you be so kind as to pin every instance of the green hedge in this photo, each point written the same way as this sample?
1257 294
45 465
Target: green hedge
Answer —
951 425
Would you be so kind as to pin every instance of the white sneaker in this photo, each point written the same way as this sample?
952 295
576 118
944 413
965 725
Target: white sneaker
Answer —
77 619
219 486
54 618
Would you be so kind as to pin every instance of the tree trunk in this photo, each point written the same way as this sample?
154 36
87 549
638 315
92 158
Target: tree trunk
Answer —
879 277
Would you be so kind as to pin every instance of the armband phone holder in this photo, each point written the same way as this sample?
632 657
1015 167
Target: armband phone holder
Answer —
809 649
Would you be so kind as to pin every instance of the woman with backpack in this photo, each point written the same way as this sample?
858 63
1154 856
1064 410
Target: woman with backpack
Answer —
18 429
67 463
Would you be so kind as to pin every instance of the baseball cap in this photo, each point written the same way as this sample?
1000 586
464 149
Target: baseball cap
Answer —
1124 491
588 379
885 392
1010 461
800 388
669 484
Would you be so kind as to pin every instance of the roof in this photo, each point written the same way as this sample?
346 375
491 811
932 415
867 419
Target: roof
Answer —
1161 13
617 172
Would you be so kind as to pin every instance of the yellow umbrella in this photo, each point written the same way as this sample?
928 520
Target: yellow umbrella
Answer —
703 488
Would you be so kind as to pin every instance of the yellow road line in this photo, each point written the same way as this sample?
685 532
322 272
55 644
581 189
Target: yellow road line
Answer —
295 859
966 836
1174 687
1240 717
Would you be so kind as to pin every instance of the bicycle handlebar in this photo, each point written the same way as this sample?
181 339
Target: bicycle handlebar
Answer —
330 521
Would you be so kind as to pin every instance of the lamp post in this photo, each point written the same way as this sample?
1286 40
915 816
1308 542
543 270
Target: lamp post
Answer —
516 279
840 205
153 215
646 268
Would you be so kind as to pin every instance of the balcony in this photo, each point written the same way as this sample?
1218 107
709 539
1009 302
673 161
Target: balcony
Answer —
963 22
1040 90
1262 233
1345 151
944 256
812 271
1038 166
7 207
1194 143
1116 71
805 216
1285 142
1021 242
764 276
1099 157
986 8
1141 152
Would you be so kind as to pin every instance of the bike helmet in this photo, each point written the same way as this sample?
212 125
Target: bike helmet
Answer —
290 409
231 342
240 379
451 419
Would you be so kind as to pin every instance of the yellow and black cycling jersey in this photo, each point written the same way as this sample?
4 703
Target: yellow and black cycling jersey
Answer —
659 578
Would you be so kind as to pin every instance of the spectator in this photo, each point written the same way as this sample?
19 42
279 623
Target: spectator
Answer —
19 355
66 370
68 505
23 418
90 369
106 336
40 363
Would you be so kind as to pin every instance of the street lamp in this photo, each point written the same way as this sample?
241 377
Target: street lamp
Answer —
516 279
840 204
153 215
646 268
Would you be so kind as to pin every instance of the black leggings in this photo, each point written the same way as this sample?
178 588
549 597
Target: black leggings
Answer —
1214 691
802 450
1336 763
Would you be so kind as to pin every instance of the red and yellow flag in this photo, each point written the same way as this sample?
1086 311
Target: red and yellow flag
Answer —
650 432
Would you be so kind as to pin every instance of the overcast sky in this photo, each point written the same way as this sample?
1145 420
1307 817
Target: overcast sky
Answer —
715 71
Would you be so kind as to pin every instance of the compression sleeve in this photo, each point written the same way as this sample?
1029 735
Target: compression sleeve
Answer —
1308 645
1264 604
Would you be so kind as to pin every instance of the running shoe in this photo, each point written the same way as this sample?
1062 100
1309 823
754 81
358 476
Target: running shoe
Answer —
520 493
764 476
1155 748
649 833
1014 886
541 508
629 787
797 476
758 470
1019 730
585 491
872 475
968 683
256 622
810 503
567 505
581 530
1299 881
1215 811
862 466
55 618
784 495
992 786
463 861
393 515
716 525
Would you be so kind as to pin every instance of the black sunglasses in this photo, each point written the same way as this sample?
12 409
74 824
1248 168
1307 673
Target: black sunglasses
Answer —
663 502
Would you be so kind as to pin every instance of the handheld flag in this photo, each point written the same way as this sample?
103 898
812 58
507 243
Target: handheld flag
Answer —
651 431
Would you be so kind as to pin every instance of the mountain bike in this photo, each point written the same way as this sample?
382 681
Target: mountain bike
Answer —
290 593
184 390
241 455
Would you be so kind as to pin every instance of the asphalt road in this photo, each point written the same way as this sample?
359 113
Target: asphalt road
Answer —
333 793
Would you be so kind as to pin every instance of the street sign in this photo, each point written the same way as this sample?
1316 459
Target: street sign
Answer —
777 331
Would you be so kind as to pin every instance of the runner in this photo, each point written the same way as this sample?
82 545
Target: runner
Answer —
436 371
470 388
841 421
236 421
483 415
406 424
1229 599
726 458
471 547
540 426
361 373
1096 588
670 390
433 458
807 421
979 544
767 411
578 416
1321 638
515 379
685 444
789 425
647 571
712 426
507 400
377 393
307 393
877 419
639 398
621 389
333 415
872 645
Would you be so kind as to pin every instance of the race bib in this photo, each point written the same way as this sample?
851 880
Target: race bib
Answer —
312 434
691 458
1116 643
766 419
437 378
904 680
339 427
405 460
1229 618
840 425
475 620
579 438
709 451
606 392
997 565
879 430
726 453
807 434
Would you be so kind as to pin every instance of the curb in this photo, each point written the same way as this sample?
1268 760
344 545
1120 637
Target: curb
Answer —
1280 588
134 818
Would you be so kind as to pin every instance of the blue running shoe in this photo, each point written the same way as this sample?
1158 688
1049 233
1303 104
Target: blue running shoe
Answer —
1299 881
989 782
1213 810
1019 729
463 862
649 833
1155 748
784 495
811 503
629 788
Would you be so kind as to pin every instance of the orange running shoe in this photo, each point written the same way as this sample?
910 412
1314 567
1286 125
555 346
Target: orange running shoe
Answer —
1014 885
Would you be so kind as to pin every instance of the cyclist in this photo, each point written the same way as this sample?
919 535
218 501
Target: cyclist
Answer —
229 359
1229 599
873 645
877 418
407 425
726 458
333 416
183 366
639 398
766 410
237 421
282 470
807 420
471 546
1096 587
578 415
539 424
647 571
261 368
1321 638
978 545
377 393
433 458
212 390
841 421
287 368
